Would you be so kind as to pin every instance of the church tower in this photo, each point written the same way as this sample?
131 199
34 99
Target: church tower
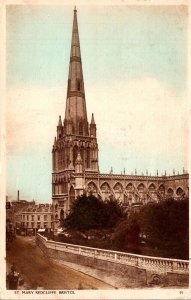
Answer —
75 149
75 156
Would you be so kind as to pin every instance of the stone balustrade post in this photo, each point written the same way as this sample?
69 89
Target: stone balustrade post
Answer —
139 261
174 266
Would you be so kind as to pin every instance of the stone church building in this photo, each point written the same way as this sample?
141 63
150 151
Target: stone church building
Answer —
75 155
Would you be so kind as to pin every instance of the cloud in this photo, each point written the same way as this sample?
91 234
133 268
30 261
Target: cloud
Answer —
141 116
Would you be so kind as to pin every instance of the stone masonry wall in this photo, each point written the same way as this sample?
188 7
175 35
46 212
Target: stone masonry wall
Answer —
141 276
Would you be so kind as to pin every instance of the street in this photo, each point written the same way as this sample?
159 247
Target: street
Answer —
39 272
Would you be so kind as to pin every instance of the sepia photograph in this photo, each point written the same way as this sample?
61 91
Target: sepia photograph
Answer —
97 150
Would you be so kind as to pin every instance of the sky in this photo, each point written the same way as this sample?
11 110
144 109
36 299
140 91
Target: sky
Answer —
134 62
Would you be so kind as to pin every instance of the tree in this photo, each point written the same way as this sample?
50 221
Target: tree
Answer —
126 234
89 212
114 212
166 226
85 213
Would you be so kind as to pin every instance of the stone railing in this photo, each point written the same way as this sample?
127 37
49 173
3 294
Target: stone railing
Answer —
158 264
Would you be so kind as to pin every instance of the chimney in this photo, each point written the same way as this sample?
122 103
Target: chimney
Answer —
18 195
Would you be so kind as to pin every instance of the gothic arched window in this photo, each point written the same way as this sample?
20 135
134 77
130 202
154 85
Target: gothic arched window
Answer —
92 188
179 191
141 191
81 128
88 157
170 192
75 152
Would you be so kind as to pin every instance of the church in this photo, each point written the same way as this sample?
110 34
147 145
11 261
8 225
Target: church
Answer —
75 155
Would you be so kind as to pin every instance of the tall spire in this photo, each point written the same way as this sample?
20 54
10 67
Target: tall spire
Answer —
75 46
76 104
92 119
59 128
92 127
60 121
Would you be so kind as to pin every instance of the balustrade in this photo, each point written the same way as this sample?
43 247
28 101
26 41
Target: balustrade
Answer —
147 262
